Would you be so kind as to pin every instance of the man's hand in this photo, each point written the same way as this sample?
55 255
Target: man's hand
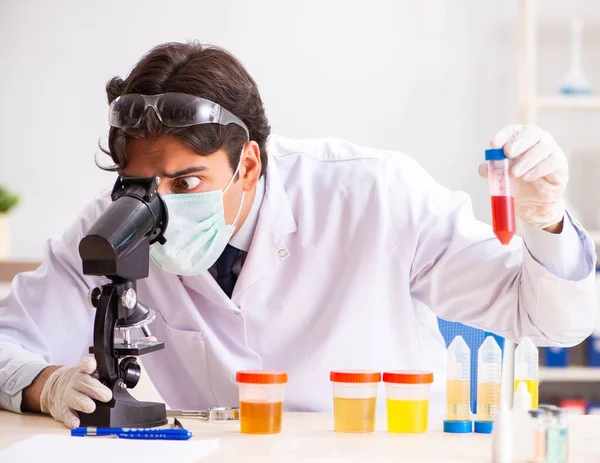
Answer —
66 390
540 171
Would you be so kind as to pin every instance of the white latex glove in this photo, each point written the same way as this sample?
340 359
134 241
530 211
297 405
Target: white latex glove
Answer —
540 171
71 389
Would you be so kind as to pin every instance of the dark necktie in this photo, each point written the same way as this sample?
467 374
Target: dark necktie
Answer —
225 275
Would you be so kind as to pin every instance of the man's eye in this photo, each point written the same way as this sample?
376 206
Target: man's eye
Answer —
188 183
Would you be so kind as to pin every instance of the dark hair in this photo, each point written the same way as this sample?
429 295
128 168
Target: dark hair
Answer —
206 71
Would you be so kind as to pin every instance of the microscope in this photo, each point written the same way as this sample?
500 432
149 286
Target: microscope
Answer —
117 246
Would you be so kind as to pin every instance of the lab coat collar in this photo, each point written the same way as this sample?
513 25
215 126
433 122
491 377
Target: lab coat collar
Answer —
267 249
275 221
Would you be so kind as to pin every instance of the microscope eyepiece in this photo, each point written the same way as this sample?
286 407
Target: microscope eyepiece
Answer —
118 243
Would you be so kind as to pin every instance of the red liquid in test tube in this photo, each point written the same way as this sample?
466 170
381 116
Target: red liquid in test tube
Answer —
502 196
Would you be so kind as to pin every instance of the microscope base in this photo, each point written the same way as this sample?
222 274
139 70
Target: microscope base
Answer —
125 412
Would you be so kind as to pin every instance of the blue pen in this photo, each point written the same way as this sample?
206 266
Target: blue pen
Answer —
134 433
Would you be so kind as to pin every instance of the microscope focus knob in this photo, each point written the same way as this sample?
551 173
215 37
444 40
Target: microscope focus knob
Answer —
131 371
129 298
93 297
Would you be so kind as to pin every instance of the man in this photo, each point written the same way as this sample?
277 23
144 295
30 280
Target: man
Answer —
303 256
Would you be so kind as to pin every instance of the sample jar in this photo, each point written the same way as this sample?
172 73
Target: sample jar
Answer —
261 401
502 194
354 400
407 400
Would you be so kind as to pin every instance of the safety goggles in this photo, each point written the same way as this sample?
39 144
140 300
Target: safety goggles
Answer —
172 109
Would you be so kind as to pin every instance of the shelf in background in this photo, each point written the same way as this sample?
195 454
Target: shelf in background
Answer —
9 268
572 374
569 102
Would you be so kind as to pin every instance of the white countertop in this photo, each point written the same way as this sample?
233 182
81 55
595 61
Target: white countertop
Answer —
309 437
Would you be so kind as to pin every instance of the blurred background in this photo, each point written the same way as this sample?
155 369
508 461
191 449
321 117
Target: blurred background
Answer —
434 79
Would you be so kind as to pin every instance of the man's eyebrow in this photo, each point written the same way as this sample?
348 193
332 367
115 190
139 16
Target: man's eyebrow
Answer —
181 173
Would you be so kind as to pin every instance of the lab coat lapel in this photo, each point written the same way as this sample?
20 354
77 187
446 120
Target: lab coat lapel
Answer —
207 286
275 220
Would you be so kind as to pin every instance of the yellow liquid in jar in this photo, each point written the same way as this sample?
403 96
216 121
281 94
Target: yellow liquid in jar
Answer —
354 415
261 417
407 416
488 401
533 388
458 402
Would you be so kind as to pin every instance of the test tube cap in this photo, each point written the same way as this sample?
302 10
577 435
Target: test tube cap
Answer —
495 154
458 427
484 427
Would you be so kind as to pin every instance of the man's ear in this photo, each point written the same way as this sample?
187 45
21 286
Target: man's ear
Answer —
251 165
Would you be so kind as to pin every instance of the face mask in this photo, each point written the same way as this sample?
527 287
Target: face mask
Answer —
196 234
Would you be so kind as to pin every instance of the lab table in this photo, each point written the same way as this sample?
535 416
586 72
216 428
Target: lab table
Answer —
309 437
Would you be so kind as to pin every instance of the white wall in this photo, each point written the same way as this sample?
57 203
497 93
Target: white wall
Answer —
433 78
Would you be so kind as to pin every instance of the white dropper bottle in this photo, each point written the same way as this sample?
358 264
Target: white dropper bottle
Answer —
523 427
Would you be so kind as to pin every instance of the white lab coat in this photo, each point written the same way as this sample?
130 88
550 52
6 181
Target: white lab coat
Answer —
356 252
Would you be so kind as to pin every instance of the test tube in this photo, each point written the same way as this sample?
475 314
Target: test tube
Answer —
526 369
458 387
501 193
489 379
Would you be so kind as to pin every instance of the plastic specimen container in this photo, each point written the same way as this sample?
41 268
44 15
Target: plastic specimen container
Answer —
527 369
458 387
502 194
354 400
261 401
489 379
407 400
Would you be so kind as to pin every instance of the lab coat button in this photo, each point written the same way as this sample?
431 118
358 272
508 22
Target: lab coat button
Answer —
282 253
11 386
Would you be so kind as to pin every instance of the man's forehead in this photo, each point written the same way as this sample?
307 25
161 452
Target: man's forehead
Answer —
159 147
169 157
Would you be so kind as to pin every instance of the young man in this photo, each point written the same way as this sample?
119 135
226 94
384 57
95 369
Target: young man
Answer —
303 256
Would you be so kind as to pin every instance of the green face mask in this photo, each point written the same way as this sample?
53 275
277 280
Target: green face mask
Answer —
196 234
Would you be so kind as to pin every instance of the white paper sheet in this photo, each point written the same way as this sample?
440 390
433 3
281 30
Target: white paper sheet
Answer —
50 448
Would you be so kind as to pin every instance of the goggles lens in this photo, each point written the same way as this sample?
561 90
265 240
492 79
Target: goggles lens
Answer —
172 109
127 111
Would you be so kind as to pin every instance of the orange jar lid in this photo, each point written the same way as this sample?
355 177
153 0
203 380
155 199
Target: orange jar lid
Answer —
408 377
261 377
355 376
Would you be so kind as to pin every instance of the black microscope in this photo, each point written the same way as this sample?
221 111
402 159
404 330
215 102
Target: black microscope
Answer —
117 247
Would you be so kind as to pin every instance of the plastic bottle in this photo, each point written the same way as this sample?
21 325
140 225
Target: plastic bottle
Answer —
458 387
539 432
502 437
523 426
557 444
502 194
526 369
489 379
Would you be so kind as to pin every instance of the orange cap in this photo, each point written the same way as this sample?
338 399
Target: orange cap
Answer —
408 377
355 376
261 377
